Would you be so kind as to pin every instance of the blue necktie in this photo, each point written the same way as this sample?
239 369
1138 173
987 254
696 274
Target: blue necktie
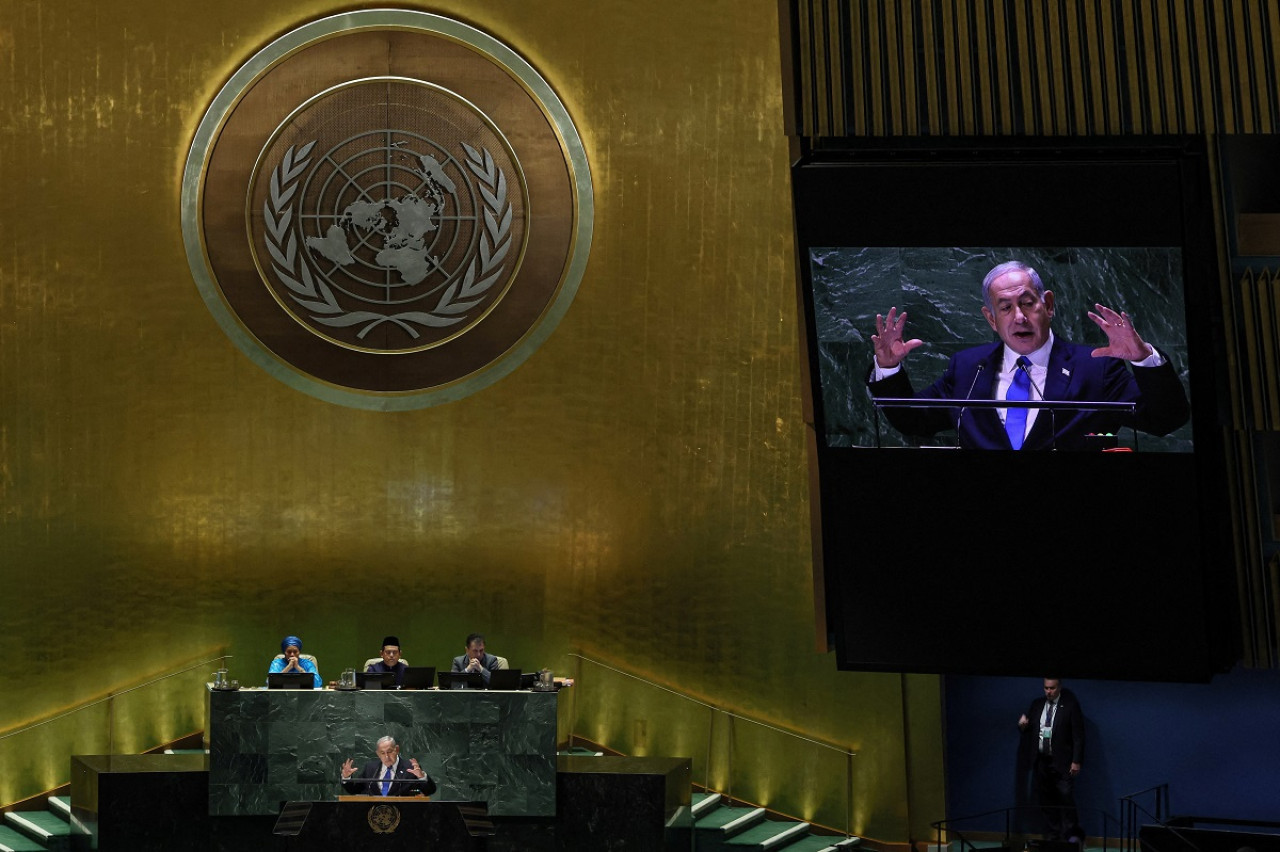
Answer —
386 785
1015 419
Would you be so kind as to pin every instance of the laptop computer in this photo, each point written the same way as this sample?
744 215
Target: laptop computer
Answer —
418 677
504 679
291 680
461 680
375 680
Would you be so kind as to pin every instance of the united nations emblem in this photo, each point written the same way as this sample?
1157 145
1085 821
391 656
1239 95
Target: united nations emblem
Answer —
384 819
388 238
362 226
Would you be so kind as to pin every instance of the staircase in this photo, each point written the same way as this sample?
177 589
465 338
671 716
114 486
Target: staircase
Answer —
38 831
721 827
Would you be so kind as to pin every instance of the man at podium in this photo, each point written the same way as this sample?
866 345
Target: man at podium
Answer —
388 775
1029 364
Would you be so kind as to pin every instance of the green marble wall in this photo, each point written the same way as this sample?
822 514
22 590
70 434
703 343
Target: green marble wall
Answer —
272 746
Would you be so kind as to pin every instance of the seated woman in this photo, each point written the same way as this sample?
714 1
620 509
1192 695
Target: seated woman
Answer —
293 661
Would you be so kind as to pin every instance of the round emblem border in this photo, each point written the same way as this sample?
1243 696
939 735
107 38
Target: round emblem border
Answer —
224 103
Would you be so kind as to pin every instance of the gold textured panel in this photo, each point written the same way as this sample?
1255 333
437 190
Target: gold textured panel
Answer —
638 486
983 81
1082 67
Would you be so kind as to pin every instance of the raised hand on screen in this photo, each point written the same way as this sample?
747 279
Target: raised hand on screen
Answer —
890 348
1123 340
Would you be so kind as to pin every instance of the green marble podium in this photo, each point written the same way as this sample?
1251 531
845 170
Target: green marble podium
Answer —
267 747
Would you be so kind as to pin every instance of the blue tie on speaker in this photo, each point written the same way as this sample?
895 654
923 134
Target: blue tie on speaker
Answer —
386 785
1015 420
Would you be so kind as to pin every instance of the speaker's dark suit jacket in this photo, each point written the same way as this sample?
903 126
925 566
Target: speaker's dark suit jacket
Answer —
368 781
1068 730
1073 375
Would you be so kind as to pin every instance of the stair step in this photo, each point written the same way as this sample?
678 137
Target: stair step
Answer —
769 834
788 837
45 826
815 843
703 802
13 841
60 805
728 819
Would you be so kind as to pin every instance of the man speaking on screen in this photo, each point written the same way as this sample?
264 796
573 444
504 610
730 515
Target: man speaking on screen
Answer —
1030 363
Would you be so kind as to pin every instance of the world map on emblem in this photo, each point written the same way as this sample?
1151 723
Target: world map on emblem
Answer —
387 238
398 226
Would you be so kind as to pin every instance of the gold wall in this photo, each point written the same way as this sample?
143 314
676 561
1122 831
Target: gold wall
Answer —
636 492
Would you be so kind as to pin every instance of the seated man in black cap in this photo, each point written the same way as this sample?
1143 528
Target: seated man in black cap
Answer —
391 661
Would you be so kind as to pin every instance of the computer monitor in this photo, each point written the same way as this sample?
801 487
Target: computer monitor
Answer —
375 680
418 677
291 680
461 680
505 679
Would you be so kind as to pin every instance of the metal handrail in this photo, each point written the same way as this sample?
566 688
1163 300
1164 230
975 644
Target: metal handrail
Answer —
102 731
1129 809
732 717
713 707
110 696
1164 818
947 825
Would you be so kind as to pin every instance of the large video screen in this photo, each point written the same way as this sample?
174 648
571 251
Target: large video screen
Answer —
940 292
1089 552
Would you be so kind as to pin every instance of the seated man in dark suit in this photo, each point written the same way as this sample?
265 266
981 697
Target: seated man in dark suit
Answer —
1029 363
388 775
391 661
475 660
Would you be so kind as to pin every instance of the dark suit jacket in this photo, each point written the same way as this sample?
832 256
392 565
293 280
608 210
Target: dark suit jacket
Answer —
1073 375
398 668
368 782
1068 730
488 664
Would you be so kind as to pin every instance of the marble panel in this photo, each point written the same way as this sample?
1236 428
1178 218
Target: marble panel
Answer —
634 803
272 746
135 802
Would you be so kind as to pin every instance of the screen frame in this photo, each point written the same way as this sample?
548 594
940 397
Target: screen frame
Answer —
881 613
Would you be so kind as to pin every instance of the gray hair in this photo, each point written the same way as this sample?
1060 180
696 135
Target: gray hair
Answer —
382 740
1009 266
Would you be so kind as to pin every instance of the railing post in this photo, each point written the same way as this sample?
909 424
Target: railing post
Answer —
111 723
728 760
711 733
848 793
573 701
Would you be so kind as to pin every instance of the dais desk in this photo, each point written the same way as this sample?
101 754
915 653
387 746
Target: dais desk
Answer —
267 747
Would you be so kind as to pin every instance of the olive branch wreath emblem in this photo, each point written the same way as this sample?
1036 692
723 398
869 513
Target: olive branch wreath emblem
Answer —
384 819
313 294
